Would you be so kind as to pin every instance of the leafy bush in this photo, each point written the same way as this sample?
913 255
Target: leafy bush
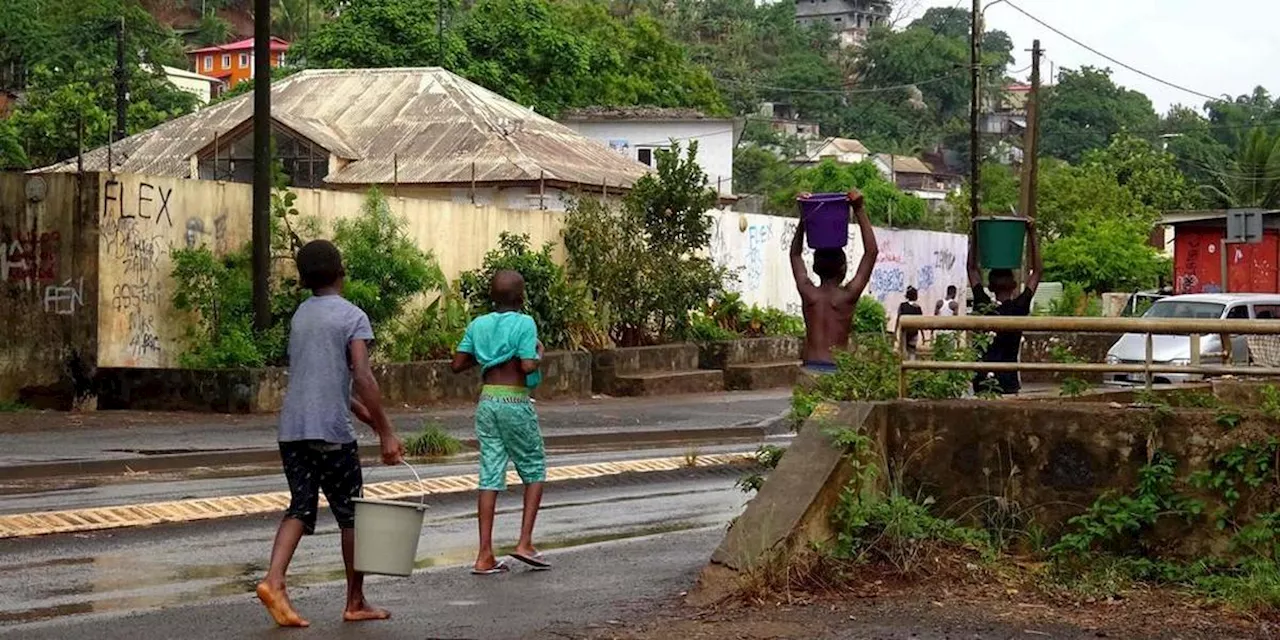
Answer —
897 530
1075 302
726 317
218 292
431 332
869 372
385 267
560 308
869 317
640 262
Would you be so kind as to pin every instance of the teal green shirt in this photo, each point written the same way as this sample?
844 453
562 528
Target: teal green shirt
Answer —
497 338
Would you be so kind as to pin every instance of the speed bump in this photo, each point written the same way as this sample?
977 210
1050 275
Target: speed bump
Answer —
191 510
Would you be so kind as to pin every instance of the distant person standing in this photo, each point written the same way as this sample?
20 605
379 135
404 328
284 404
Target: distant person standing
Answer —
829 305
949 306
1005 345
910 307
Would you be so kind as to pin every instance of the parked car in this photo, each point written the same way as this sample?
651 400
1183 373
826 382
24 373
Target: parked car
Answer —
1131 348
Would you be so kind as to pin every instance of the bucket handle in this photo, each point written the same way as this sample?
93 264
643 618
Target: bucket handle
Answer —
423 497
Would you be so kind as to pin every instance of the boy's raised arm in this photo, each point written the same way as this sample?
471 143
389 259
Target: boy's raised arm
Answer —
1035 265
798 271
368 396
870 250
975 274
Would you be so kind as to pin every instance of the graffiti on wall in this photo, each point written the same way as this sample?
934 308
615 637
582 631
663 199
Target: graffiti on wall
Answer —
29 259
760 252
136 225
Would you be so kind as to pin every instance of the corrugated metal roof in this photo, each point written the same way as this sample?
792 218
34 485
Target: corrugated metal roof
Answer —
634 113
438 127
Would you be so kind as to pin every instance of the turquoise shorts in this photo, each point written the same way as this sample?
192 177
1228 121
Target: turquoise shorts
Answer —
507 429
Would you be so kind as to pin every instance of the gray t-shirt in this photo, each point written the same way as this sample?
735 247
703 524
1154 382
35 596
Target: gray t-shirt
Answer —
317 405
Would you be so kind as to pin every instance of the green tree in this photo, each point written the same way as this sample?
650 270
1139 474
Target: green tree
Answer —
1085 109
385 267
1233 119
1252 178
886 204
643 263
62 55
1199 155
1150 174
548 55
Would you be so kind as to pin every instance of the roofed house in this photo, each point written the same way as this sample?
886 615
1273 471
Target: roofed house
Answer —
841 150
922 179
636 132
423 132
232 63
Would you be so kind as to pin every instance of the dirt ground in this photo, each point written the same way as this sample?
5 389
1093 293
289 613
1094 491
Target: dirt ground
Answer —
936 609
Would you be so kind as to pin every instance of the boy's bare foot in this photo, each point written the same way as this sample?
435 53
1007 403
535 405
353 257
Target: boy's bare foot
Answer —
278 605
364 613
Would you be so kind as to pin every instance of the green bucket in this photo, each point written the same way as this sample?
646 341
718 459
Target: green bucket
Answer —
1000 242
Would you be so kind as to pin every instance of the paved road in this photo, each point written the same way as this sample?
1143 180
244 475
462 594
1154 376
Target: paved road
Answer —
618 543
53 437
57 494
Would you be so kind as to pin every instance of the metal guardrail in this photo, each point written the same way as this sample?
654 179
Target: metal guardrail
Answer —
1194 328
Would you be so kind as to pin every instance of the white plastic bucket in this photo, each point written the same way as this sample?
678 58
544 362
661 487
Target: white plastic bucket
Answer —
387 533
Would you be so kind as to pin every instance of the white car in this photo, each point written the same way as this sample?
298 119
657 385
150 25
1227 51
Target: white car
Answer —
1176 350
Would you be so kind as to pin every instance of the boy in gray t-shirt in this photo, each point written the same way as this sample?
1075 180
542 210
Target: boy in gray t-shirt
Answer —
328 357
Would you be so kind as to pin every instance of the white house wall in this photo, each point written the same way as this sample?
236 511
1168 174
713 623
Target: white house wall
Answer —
714 138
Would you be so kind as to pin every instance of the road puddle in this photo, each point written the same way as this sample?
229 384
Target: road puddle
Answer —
108 583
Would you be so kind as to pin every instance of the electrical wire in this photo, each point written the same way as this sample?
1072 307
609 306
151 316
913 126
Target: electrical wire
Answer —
1104 56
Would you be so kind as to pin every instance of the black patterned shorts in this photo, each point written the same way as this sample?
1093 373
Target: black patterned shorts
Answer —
312 466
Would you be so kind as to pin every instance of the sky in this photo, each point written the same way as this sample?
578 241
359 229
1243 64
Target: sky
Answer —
1214 47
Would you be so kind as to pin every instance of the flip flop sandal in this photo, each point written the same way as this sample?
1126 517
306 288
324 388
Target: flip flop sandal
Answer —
536 561
501 567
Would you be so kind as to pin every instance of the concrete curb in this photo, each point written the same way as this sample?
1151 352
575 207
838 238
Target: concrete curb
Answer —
269 456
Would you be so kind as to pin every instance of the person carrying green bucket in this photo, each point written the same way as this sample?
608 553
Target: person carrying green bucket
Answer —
995 244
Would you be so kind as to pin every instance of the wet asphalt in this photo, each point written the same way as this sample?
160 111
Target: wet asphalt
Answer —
620 544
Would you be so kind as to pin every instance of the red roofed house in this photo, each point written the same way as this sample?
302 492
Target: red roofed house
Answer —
233 63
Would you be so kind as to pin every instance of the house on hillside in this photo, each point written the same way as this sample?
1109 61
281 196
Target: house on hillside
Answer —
415 132
930 182
232 63
840 150
784 120
201 86
851 20
636 132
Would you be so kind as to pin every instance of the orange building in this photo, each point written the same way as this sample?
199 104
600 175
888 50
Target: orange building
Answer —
233 63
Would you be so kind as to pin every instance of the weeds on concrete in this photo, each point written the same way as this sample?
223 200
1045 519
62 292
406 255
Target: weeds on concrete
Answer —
11 406
433 441
1073 386
767 457
691 456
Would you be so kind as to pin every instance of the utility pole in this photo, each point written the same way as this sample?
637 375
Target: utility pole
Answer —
975 145
440 33
122 85
261 164
1031 141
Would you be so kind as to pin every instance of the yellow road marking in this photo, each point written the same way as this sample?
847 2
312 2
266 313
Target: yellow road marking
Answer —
124 516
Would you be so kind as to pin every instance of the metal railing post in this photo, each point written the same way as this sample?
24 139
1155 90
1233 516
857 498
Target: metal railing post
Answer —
902 364
1151 352
1195 349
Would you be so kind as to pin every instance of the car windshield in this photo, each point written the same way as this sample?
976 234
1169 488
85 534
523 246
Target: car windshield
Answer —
1179 309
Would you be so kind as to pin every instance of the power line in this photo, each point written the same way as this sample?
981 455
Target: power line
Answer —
1111 59
843 91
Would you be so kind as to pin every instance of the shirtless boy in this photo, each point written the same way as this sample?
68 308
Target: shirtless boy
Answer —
505 345
829 305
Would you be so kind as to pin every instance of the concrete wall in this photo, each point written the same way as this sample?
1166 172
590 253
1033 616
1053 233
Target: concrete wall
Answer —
714 137
144 218
48 285
756 247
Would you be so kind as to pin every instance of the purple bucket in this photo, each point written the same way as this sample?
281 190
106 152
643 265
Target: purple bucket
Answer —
826 220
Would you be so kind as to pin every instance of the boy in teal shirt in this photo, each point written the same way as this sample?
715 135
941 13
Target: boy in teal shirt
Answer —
505 345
